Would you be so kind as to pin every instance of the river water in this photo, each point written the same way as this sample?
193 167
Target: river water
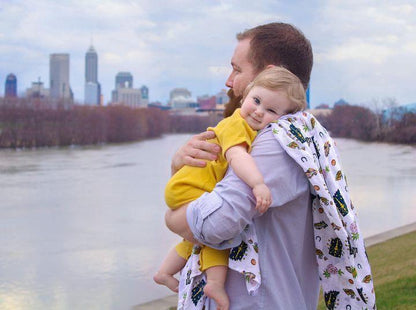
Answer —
82 227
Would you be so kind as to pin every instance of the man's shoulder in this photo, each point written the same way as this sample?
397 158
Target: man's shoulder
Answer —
266 141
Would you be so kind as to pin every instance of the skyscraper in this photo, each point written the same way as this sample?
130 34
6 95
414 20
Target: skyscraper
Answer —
92 87
10 89
124 80
91 65
126 94
59 77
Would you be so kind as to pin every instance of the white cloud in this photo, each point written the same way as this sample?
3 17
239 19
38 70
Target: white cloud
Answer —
360 51
360 48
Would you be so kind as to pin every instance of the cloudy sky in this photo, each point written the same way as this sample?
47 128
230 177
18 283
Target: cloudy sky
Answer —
364 51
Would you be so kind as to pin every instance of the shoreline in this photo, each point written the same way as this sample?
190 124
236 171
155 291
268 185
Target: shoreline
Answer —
167 302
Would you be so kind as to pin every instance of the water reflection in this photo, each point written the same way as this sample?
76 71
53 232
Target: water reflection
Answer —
82 227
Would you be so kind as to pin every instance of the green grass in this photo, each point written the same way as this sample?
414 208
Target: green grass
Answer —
393 265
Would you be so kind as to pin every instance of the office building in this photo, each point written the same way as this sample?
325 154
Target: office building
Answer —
125 94
60 88
10 90
92 93
207 102
181 98
222 97
37 90
124 80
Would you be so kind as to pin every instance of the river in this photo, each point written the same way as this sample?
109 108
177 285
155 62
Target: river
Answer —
82 227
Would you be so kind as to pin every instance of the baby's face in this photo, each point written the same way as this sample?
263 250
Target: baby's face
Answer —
263 106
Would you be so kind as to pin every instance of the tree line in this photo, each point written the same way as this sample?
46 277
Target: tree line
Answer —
357 122
25 125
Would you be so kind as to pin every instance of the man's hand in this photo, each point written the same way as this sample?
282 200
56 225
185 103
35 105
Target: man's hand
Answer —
263 197
195 152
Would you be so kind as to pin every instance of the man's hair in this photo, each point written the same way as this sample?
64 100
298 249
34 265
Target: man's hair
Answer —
281 79
277 44
282 45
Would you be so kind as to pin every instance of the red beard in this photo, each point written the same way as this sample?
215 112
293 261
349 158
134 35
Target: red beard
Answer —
233 103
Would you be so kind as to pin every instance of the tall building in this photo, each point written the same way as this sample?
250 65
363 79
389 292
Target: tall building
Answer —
124 80
59 77
91 65
92 94
10 89
124 93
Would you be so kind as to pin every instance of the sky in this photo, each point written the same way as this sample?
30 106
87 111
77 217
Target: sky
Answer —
364 51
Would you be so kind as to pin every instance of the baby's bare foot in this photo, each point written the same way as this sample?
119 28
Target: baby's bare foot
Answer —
217 292
166 280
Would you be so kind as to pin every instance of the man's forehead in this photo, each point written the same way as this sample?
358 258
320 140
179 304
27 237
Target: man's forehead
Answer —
241 53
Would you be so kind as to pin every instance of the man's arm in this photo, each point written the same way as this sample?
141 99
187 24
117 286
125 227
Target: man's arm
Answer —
195 152
217 218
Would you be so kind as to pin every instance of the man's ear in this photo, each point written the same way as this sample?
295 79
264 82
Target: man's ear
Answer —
270 66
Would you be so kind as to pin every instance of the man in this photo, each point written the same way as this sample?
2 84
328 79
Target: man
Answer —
285 233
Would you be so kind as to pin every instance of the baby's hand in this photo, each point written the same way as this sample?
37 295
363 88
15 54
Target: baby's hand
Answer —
263 197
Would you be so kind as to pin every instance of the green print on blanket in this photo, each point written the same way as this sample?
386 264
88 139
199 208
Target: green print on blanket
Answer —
340 252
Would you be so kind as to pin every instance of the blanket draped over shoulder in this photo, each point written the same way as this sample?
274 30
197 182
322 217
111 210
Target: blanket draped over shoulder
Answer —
344 269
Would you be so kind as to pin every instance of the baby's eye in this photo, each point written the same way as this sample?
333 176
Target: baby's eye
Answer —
256 100
272 111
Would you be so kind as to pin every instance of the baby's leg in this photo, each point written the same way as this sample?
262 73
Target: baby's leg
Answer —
172 264
216 276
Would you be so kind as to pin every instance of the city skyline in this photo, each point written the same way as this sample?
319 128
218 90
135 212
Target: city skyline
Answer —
362 51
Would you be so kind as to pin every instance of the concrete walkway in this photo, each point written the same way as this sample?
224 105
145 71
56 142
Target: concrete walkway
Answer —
159 304
390 234
170 301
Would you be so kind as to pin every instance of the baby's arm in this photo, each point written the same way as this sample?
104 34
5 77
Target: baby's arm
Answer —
246 169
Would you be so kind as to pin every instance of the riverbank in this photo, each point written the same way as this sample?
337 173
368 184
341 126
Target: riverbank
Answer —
169 302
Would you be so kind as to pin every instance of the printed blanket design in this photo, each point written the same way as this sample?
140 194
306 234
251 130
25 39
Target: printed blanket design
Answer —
344 269
243 259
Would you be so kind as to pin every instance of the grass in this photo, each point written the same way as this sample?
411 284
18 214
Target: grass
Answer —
393 264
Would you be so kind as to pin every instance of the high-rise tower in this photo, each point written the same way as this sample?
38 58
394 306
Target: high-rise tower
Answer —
91 65
124 80
59 77
10 90
92 87
126 94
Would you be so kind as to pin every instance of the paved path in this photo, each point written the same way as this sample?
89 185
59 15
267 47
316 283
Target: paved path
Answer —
390 234
170 301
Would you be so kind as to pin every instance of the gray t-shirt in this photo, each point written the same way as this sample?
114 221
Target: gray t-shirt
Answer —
285 232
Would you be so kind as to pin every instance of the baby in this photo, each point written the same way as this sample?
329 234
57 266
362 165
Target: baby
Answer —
273 93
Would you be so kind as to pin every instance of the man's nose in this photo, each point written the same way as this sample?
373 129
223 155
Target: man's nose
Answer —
229 81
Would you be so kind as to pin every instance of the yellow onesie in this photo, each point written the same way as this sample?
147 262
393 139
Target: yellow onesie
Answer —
189 183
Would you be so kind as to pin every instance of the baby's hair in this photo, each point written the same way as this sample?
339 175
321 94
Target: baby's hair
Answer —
279 78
